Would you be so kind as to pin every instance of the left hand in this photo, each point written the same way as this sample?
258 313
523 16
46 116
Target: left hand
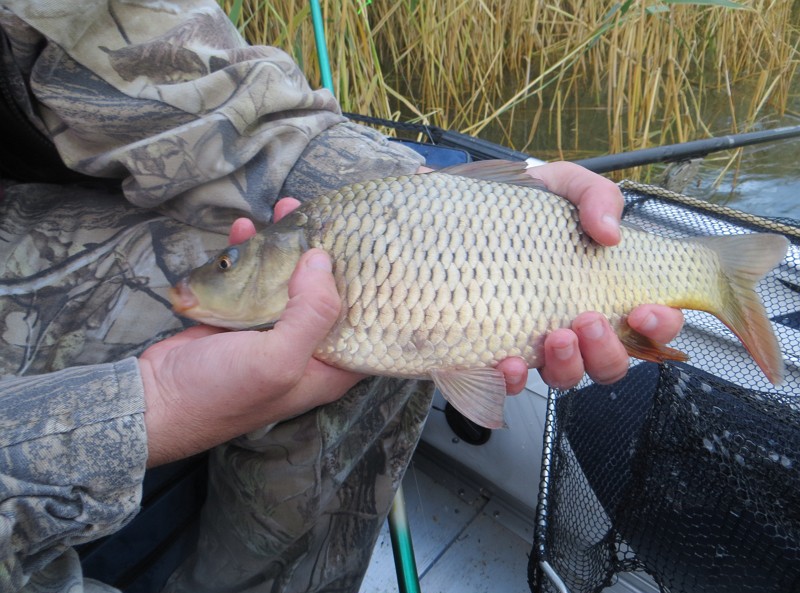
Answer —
206 385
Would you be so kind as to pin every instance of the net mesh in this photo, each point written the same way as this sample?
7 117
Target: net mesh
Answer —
687 472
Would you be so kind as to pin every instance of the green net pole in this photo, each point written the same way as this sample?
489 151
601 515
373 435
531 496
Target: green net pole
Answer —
402 548
322 49
406 566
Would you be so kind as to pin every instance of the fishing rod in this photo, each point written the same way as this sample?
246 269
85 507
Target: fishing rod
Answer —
685 151
484 149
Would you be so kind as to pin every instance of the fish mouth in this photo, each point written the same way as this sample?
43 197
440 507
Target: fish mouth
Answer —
182 297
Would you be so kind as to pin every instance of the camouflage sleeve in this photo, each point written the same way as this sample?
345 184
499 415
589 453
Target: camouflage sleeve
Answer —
72 459
170 99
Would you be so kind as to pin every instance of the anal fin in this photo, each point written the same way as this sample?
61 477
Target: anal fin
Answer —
479 394
640 346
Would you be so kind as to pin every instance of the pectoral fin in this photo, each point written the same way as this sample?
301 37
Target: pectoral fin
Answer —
479 393
640 346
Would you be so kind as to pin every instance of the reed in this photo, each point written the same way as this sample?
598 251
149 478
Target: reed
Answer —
566 78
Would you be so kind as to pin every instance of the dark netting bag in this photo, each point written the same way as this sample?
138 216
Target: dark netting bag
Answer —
688 472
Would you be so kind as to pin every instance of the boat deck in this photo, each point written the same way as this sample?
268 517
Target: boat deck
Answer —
465 539
465 536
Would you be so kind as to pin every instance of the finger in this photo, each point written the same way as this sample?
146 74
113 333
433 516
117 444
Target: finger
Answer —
283 207
241 230
657 322
563 365
598 199
604 356
515 370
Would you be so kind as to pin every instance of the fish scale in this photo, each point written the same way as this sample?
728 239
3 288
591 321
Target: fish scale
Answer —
443 275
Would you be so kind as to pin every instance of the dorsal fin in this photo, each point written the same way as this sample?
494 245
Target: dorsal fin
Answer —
501 171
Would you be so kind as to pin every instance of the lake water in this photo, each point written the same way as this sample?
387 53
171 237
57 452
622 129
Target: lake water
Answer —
765 182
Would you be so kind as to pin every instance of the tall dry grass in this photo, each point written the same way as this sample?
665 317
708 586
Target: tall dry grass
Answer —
517 69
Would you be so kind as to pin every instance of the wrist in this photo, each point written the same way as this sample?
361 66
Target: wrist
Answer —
154 417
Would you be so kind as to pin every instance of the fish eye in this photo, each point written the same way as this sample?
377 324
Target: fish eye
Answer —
227 259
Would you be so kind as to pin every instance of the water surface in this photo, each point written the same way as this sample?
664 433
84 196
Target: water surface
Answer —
764 181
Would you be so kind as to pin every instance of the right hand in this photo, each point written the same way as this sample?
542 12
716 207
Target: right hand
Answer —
205 385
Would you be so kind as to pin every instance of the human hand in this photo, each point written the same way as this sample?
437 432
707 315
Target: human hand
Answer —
206 385
591 345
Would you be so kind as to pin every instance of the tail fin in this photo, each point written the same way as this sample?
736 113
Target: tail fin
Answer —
745 260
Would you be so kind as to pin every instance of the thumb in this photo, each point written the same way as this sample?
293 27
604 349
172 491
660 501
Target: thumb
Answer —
313 306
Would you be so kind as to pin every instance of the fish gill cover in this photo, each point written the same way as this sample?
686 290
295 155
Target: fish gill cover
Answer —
688 472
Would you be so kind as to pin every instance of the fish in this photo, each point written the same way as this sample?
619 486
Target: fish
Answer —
444 274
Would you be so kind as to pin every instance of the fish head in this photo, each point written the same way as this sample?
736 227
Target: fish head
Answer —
245 286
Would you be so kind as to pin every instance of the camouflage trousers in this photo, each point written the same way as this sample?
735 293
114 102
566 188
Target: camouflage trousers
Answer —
296 509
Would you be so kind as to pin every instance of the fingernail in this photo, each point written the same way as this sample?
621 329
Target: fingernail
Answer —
513 379
593 330
610 222
564 352
319 261
649 323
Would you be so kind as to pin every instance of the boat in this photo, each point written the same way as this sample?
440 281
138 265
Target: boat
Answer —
681 477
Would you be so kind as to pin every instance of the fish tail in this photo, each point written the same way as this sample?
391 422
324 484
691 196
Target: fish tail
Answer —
745 260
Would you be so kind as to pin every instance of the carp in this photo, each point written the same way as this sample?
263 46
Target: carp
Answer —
444 274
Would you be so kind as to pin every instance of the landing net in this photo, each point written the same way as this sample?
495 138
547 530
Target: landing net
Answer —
688 474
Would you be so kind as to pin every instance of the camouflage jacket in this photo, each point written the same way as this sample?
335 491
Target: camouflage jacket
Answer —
198 128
